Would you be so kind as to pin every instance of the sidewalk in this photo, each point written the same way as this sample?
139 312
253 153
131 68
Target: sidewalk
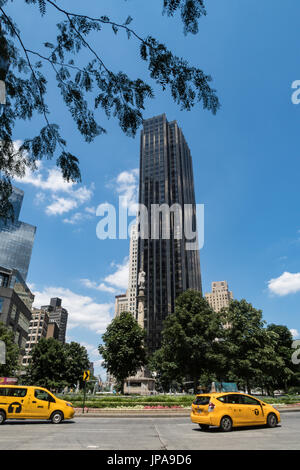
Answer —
157 413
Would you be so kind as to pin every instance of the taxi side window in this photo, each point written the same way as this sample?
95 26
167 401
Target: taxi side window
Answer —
3 392
17 392
201 401
42 395
233 399
223 399
249 401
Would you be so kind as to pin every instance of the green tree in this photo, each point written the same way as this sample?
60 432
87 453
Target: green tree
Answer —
189 347
123 348
248 347
285 373
48 365
85 83
77 361
12 352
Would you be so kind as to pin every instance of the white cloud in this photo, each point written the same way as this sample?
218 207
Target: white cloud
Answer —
90 210
115 282
77 217
126 185
287 283
94 285
60 205
84 312
120 277
54 181
295 333
55 184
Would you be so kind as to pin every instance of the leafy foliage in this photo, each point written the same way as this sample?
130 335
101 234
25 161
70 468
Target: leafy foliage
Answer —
77 361
123 349
234 345
47 367
12 352
188 347
55 365
85 88
255 355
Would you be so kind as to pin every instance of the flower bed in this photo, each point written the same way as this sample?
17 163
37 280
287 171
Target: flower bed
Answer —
161 407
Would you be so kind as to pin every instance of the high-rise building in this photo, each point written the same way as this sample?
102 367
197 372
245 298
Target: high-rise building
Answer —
57 314
15 305
220 296
52 331
127 302
121 304
166 178
16 238
132 282
37 329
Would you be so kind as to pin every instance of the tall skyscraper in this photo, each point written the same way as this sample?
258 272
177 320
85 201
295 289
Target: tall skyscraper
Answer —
16 239
132 282
59 315
15 305
37 330
166 177
220 296
127 302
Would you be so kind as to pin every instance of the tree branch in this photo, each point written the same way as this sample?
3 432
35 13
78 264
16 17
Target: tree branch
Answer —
32 71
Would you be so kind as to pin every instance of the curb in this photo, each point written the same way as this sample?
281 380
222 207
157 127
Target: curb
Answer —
154 414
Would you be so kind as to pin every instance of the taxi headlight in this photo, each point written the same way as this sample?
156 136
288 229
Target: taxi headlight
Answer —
69 404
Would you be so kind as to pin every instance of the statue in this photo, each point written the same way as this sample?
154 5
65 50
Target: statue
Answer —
141 279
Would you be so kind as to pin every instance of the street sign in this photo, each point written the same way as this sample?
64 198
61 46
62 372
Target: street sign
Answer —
86 375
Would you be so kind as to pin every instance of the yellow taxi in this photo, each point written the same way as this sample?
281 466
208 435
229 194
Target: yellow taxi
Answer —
29 402
228 410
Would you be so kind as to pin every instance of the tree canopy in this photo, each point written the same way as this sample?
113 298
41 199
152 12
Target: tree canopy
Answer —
189 347
55 365
256 355
234 345
123 349
85 83
12 352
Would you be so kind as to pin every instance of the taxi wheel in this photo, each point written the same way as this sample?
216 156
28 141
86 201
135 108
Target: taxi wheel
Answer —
226 424
271 420
57 417
204 427
2 417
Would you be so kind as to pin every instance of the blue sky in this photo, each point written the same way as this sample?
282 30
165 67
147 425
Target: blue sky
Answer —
246 162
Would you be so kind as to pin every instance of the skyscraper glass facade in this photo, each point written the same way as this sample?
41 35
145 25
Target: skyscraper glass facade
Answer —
16 239
166 177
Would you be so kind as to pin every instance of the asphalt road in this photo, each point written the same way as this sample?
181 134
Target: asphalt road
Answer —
145 434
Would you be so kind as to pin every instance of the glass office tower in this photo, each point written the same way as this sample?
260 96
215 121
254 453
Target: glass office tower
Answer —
16 239
166 178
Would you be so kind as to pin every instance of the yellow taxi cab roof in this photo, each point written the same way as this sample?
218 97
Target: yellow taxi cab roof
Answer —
23 386
217 394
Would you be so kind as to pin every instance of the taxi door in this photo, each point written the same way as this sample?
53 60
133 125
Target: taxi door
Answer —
234 408
17 403
252 411
41 403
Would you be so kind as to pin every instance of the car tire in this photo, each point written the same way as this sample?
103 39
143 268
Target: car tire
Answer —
226 424
271 420
57 417
2 417
204 427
